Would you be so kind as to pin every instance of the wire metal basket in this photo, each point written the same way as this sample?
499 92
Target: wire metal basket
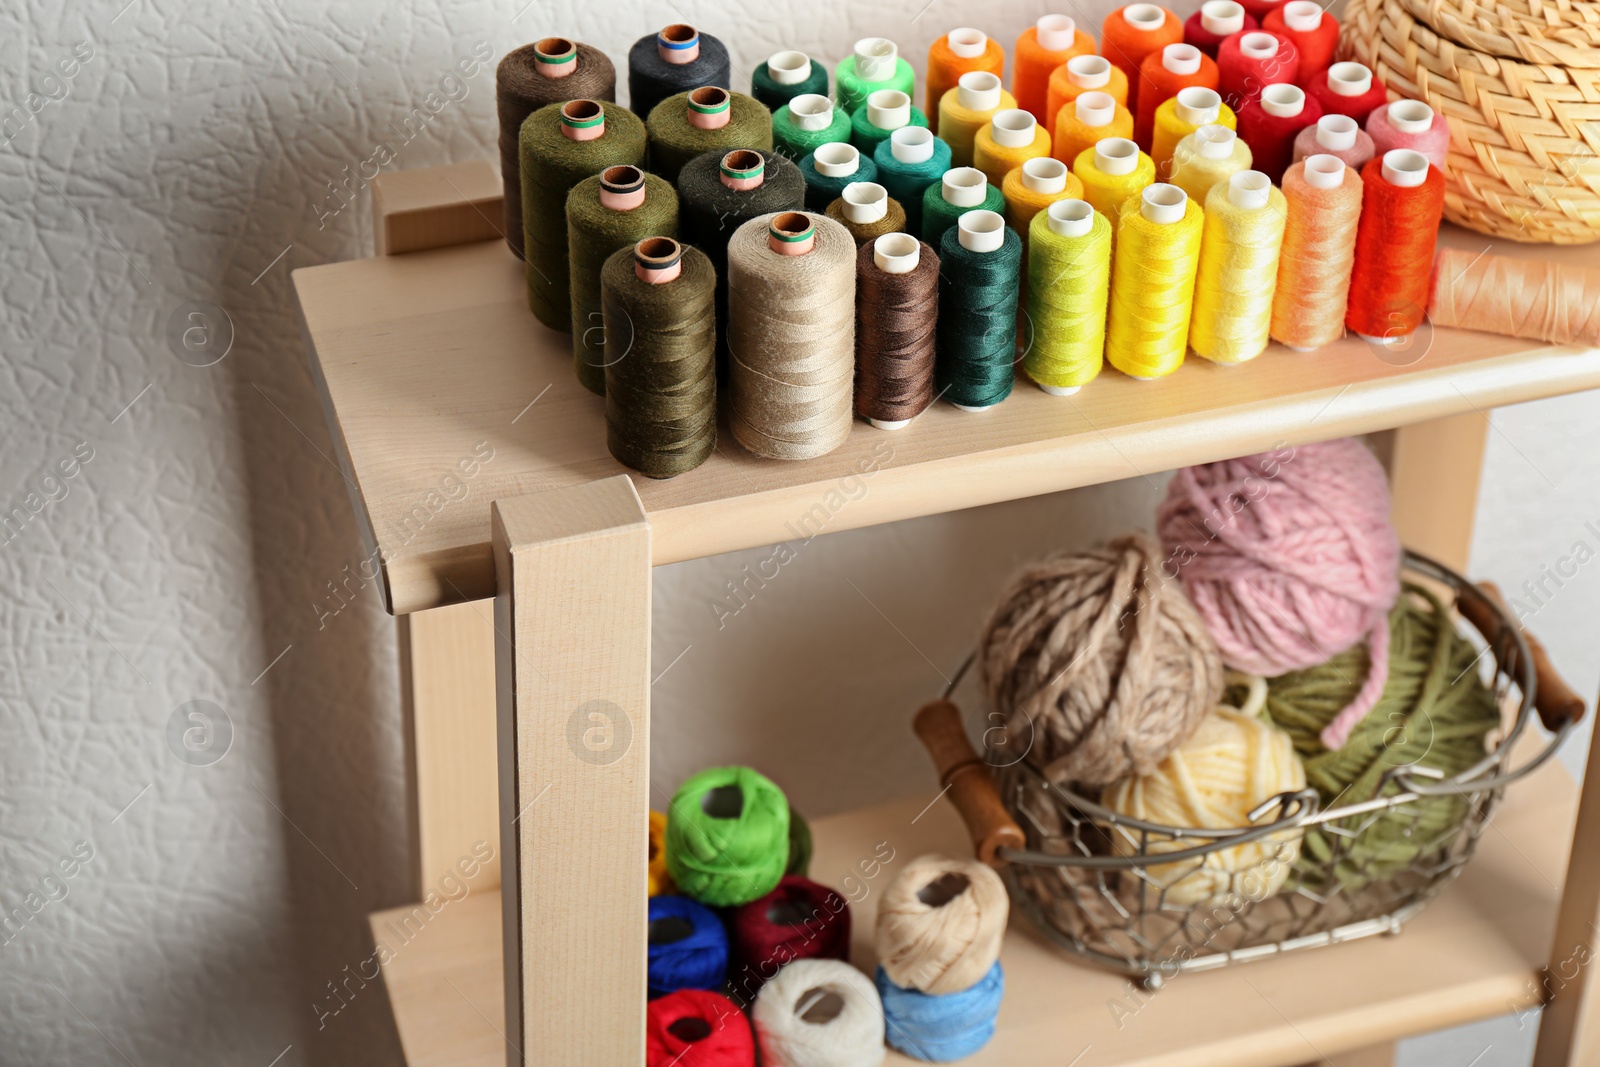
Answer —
1101 884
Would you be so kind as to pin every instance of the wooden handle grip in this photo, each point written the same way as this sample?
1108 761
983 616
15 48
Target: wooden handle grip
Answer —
967 778
1556 701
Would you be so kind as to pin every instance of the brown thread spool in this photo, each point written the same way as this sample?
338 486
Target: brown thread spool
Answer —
897 299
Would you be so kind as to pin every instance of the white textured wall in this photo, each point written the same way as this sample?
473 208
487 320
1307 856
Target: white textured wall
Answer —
181 524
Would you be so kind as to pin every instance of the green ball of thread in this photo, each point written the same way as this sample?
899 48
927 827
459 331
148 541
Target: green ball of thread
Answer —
799 845
674 140
1069 283
852 91
939 214
867 137
775 94
594 231
796 143
727 836
977 333
551 164
823 189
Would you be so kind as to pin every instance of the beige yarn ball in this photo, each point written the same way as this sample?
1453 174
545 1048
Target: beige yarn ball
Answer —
940 924
1099 663
1234 762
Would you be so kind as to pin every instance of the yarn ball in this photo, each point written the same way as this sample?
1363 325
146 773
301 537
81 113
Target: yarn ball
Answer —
799 920
941 1029
1098 663
819 1013
940 924
660 880
727 836
799 845
1290 558
686 946
1234 762
697 1028
1435 711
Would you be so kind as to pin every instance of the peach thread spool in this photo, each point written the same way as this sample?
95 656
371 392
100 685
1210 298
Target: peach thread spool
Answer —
1207 156
1162 76
1215 22
1410 124
1177 118
1113 173
1153 266
1087 121
966 109
1347 89
1323 202
961 51
1249 62
1402 205
1315 33
1041 49
1010 139
1084 74
1270 123
1238 269
1335 135
1130 33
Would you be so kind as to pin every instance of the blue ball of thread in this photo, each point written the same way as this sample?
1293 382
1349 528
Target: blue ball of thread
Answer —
688 948
940 1029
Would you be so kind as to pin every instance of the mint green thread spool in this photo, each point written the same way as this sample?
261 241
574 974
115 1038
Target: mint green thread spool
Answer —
806 123
1069 284
958 191
875 64
727 836
886 111
786 75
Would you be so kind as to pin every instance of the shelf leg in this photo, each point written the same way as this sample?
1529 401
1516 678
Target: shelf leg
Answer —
1434 469
572 665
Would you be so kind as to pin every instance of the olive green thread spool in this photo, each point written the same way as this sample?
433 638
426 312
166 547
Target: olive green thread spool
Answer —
703 120
868 211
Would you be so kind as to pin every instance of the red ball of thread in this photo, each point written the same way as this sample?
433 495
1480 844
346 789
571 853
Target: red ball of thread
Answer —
1316 46
1271 137
798 920
697 1028
1260 9
1195 32
1126 44
1241 77
1332 103
1157 85
1394 253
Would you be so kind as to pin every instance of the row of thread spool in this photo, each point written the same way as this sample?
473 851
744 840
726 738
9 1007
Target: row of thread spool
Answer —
1137 288
736 926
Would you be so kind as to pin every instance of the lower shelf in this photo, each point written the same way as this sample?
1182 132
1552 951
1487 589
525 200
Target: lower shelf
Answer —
1473 954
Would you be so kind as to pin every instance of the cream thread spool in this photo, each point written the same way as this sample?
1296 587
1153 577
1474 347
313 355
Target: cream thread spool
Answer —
888 109
678 44
895 253
983 232
819 1013
1404 168
1224 18
789 67
555 57
1069 218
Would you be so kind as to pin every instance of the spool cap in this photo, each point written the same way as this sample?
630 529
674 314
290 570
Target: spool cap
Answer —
811 111
1282 100
888 109
1089 72
1198 106
1336 132
864 202
1258 45
1222 18
583 120
1323 171
1116 155
897 253
678 43
964 187
1162 203
911 144
1405 168
555 57
836 159
791 233
1144 16
1044 175
967 42
875 58
657 260
1215 142
743 169
1055 33
981 231
1410 116
1302 16
1070 218
1095 109
1013 128
978 90
709 107
1349 79
1249 189
789 67
622 187
1181 58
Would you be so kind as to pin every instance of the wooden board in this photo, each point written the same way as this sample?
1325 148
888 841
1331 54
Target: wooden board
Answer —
431 207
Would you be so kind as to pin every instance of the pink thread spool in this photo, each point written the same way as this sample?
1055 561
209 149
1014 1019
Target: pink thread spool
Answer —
657 260
583 120
555 57
1335 135
1410 124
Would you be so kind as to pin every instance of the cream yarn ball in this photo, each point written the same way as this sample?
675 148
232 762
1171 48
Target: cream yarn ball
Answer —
1231 764
940 924
819 1013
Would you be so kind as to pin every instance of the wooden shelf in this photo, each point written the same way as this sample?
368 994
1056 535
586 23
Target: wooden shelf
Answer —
1473 954
431 360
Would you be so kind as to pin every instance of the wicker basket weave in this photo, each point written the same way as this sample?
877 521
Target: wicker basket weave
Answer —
1562 34
1524 161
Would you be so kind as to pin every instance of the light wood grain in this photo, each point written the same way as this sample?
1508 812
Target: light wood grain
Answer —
434 207
572 657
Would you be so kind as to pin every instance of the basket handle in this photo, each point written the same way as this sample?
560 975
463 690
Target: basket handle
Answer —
1558 704
967 779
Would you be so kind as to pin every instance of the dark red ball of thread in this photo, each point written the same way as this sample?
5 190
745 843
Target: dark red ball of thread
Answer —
799 920
1316 46
1241 78
697 1028
1195 33
1332 103
1394 253
1271 137
1260 9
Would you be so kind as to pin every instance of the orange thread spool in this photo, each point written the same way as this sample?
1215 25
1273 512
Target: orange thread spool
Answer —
1084 74
1085 122
1133 32
956 53
1162 76
1040 50
1394 245
1323 199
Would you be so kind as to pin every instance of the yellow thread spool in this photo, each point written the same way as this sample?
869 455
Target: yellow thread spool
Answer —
1180 116
1238 273
1152 282
1207 156
1113 172
1034 186
1069 281
967 108
1008 140
1087 121
660 882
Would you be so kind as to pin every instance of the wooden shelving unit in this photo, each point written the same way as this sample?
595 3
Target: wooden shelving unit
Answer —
452 410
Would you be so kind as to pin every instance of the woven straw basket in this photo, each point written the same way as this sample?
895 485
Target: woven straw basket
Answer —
1524 161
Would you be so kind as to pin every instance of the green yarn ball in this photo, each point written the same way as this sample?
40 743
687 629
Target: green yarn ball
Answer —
790 140
867 137
799 845
674 140
727 836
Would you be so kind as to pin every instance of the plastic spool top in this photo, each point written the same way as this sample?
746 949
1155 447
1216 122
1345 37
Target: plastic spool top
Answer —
888 109
1089 72
1224 18
1144 16
1055 33
789 67
811 111
978 90
836 159
1045 175
967 42
911 144
1215 142
1116 155
1336 132
1283 100
1249 189
964 187
1258 45
1013 128
1410 116
1095 108
864 202
875 58
1302 16
1181 58
1198 106
1323 171
1349 79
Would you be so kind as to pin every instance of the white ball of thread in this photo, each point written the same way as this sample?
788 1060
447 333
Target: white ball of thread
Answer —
819 1013
940 924
1232 763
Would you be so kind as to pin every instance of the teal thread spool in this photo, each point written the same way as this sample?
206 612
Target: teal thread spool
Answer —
829 169
806 123
908 162
958 191
702 120
874 64
558 146
727 836
786 75
887 110
980 263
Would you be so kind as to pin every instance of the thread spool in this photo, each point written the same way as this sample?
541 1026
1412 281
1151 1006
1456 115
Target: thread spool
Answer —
562 144
1055 651
1270 123
1009 139
1177 118
697 1028
799 845
1401 208
549 71
875 64
1069 283
1153 269
1516 297
1088 120
727 836
867 211
791 335
966 109
1207 156
786 75
1409 124
980 265
675 60
1113 172
1164 74
1347 89
1260 9
958 191
609 211
1042 48
961 51
940 924
1323 200
1215 22
706 119
819 1013
941 1029
886 110
829 168
1084 74
686 946
897 301
1238 272
1249 62
1130 33
659 880
806 123
1335 135
908 162
1314 32
799 920
1034 186
1307 570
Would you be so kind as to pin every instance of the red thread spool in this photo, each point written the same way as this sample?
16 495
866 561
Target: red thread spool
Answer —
1347 89
1162 76
799 920
697 1028
1249 62
1270 124
1215 22
1130 33
1042 48
1315 33
1394 245
1260 9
